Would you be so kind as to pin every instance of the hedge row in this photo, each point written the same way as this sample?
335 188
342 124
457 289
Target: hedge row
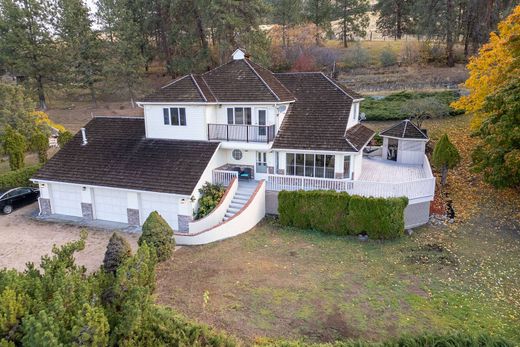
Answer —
18 178
342 214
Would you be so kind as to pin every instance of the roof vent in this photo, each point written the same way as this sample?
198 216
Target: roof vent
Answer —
84 136
239 54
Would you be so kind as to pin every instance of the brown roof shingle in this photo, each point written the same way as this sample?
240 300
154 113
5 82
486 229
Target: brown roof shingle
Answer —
183 89
358 136
405 130
118 155
319 117
238 80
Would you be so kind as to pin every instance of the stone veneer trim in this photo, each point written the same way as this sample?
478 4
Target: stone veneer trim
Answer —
184 223
133 216
45 206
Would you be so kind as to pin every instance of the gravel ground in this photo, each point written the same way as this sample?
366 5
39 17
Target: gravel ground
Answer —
25 240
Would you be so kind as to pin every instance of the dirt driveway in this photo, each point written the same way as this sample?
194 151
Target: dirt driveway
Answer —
25 240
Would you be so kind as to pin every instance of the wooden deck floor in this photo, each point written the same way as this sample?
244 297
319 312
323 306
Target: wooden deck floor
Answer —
379 170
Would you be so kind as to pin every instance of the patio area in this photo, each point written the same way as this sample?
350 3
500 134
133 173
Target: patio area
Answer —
380 170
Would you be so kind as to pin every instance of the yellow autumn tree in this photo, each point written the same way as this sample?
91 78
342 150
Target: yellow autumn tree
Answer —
42 118
490 69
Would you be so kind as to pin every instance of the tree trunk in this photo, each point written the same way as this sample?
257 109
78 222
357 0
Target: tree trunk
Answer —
444 174
317 37
284 40
450 60
398 20
41 93
344 31
92 93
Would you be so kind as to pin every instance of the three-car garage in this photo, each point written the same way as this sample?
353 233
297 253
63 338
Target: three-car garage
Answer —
109 204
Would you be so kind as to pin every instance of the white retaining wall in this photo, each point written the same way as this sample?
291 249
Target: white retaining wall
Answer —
250 214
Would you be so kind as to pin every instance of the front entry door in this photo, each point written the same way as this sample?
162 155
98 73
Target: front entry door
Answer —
261 166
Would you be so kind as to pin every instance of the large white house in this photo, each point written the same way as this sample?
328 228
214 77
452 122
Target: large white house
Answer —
240 125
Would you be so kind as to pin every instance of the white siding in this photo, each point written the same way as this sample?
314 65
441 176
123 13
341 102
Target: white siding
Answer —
195 128
110 204
353 118
166 205
66 199
411 151
358 165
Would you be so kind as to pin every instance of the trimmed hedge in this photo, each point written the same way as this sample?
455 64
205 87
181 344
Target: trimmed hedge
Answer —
18 178
341 214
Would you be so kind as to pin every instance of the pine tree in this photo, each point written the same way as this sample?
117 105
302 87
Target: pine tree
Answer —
158 234
319 12
395 17
26 42
286 13
81 48
15 109
445 156
118 250
354 18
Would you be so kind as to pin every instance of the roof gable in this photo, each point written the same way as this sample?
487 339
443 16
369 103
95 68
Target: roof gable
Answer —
405 130
183 89
319 117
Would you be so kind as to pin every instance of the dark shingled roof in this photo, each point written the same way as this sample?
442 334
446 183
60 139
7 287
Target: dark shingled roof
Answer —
118 155
405 130
358 136
238 80
183 89
317 120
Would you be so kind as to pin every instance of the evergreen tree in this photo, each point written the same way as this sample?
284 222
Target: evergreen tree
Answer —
26 42
125 64
81 48
15 109
64 137
40 144
286 13
354 18
445 156
158 234
118 250
319 12
14 146
395 17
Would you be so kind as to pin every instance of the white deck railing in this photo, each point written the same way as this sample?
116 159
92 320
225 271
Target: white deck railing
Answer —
413 189
282 182
223 177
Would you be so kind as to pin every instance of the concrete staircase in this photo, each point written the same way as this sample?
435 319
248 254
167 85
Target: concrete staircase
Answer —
244 191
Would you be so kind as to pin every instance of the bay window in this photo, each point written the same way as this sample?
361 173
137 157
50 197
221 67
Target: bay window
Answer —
310 165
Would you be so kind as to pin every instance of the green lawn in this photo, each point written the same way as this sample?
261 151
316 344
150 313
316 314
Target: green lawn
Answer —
287 283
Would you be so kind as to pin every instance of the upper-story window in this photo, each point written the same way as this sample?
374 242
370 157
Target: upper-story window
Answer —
239 115
174 116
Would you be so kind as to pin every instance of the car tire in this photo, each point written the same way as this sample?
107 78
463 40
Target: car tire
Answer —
7 209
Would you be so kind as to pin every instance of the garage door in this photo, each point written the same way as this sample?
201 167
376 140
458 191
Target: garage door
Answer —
110 204
166 205
66 199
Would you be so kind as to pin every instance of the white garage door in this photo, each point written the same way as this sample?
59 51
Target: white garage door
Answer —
66 199
110 204
166 205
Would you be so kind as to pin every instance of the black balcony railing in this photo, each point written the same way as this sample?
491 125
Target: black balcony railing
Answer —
239 132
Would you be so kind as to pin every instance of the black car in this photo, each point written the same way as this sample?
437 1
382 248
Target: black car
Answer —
17 197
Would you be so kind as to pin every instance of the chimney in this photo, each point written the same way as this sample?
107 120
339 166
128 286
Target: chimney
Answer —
84 136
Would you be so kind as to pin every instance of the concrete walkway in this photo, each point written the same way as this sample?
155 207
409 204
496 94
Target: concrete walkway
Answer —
91 224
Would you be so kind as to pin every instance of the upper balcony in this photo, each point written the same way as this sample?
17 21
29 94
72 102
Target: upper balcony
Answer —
241 133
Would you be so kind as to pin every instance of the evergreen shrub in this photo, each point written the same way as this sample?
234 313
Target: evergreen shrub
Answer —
158 234
18 178
339 213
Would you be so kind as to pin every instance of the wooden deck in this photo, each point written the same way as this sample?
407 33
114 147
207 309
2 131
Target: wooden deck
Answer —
386 171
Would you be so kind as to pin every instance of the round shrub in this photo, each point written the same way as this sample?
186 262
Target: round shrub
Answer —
157 234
